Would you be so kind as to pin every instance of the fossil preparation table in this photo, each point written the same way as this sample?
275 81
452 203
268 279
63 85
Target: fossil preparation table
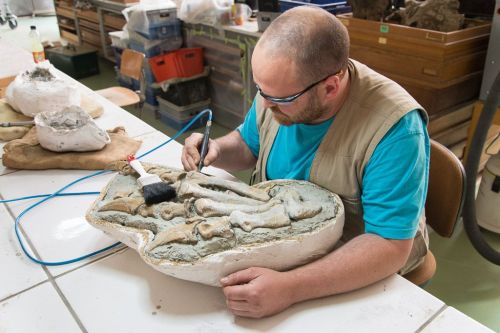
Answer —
116 291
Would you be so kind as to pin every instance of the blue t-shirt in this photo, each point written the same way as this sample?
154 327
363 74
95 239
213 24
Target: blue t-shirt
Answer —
395 179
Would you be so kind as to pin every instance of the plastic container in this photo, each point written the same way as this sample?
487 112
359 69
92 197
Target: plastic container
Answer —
117 39
153 48
184 62
178 116
167 30
187 91
331 7
161 16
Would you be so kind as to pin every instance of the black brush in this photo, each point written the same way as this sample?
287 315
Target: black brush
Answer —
153 188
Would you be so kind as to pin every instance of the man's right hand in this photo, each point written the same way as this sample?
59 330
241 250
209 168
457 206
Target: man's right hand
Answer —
191 155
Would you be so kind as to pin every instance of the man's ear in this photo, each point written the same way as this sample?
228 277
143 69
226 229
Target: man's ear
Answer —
332 86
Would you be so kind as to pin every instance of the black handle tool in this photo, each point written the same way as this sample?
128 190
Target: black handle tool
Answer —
204 144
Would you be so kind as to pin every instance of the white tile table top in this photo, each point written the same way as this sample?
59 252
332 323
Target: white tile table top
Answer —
37 310
451 321
133 297
18 272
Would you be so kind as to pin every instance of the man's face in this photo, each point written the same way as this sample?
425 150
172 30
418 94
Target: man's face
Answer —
277 76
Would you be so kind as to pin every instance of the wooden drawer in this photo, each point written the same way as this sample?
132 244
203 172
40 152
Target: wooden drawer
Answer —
114 21
91 36
89 15
71 37
65 12
89 24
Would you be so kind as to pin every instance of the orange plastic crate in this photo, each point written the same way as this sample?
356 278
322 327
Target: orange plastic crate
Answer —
184 62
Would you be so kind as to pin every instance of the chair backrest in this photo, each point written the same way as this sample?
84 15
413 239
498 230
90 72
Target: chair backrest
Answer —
446 192
131 64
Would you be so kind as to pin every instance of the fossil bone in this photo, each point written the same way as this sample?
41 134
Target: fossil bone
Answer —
216 227
273 218
208 207
236 187
189 189
296 208
172 209
127 205
180 233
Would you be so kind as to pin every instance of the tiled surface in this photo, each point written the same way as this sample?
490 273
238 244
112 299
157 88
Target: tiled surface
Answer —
123 286
452 321
18 272
39 309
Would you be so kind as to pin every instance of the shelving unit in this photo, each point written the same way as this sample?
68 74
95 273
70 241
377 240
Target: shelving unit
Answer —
91 27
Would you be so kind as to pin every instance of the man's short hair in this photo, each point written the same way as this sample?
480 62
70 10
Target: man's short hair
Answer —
315 40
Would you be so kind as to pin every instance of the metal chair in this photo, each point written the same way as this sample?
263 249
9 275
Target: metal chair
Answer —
131 66
443 207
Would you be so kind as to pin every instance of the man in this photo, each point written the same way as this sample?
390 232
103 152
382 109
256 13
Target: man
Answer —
322 117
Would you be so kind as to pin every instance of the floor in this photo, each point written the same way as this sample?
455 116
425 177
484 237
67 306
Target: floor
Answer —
463 280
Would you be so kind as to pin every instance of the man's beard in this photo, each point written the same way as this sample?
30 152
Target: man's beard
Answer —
311 112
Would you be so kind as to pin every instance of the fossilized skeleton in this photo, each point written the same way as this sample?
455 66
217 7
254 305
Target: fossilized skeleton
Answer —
209 214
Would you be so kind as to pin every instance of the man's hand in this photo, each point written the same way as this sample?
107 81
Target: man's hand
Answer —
191 155
257 292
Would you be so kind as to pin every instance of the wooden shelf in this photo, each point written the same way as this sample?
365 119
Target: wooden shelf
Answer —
65 12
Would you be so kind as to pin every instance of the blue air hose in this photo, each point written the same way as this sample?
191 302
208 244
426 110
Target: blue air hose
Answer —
59 193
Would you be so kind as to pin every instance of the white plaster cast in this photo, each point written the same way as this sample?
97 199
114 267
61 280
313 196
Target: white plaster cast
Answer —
30 95
69 129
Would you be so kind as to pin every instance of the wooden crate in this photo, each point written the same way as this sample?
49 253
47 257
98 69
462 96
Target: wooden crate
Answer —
448 118
436 98
440 69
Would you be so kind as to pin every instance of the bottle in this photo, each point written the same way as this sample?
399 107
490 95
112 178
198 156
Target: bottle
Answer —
36 45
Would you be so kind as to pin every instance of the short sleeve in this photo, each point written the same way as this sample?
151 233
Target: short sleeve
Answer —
249 132
395 180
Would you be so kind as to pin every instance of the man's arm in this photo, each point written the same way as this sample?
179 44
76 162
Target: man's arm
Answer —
229 152
368 258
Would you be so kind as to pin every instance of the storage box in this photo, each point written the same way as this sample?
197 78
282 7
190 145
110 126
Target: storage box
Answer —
187 91
179 116
161 17
117 39
333 7
440 69
153 48
184 62
166 30
74 60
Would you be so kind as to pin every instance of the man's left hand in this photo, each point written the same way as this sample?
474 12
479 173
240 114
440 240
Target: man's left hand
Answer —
257 292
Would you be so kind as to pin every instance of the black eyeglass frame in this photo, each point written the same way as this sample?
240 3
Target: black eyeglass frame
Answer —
292 98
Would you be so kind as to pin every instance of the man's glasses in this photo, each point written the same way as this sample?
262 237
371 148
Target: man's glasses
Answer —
292 98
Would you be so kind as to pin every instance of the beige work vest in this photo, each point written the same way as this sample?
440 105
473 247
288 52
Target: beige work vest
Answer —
373 106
